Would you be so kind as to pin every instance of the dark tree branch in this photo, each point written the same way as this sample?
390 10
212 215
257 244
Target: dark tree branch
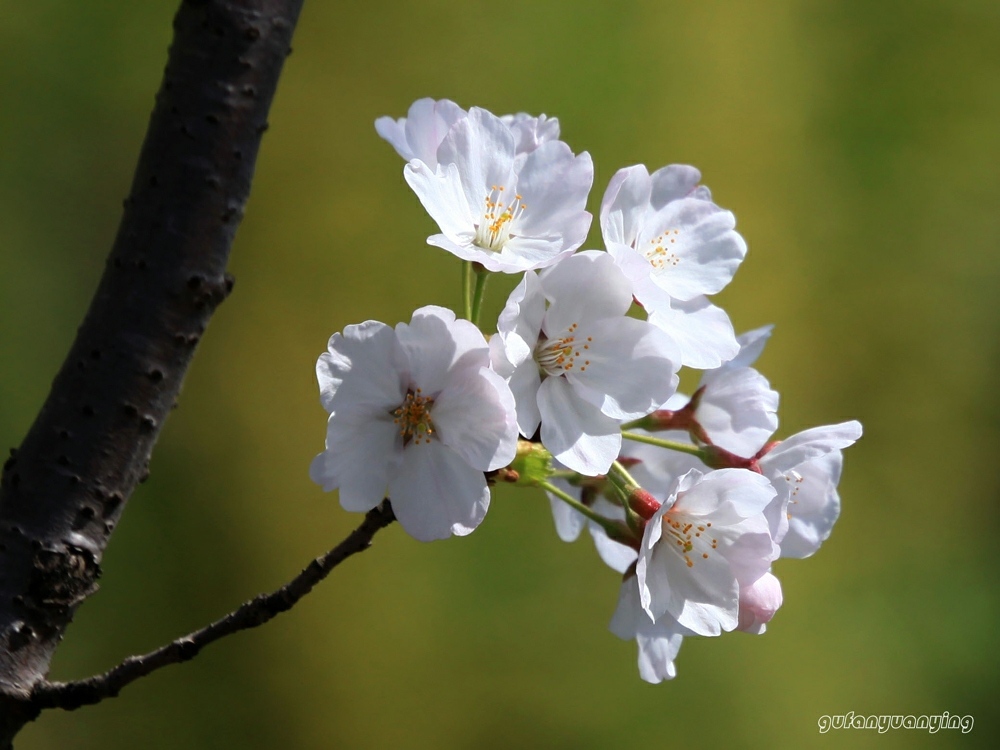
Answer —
257 611
63 491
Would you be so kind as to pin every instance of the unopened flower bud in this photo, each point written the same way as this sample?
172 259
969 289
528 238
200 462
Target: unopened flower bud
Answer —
758 603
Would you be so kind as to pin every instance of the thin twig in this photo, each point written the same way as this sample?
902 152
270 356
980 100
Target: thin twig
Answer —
257 611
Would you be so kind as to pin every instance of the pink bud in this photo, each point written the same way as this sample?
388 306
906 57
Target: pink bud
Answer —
758 603
643 503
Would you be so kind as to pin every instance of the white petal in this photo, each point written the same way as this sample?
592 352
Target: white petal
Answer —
363 365
569 522
701 252
436 493
814 507
474 416
625 204
809 444
629 369
576 432
672 183
727 496
362 453
738 409
435 342
443 197
587 286
703 333
553 185
526 253
751 346
482 148
521 319
524 384
619 557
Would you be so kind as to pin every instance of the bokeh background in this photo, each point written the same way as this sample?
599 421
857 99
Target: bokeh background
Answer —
858 143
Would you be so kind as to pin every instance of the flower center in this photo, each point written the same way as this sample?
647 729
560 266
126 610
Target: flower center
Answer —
414 418
683 536
493 230
660 252
559 355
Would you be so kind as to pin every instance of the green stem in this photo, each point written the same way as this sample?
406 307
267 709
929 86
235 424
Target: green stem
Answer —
467 288
672 445
622 479
477 300
606 523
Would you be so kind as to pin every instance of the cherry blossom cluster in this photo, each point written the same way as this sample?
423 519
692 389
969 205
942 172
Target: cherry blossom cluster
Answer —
690 498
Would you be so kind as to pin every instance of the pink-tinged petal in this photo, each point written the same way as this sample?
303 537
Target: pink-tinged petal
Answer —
809 444
427 124
576 432
585 287
627 367
362 453
369 351
751 346
750 555
435 493
474 416
521 319
553 185
441 194
531 132
435 342
672 183
692 246
758 603
813 506
482 149
738 409
524 384
625 204
393 131
704 335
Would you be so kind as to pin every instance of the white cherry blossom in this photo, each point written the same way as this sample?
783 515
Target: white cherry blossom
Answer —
576 364
675 246
707 539
420 133
805 470
510 212
415 411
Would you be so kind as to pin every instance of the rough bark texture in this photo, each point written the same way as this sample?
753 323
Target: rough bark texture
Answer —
65 488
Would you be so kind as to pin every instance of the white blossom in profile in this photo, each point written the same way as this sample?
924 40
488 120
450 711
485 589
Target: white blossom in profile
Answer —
805 471
509 211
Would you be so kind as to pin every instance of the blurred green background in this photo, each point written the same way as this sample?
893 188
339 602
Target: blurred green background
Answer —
858 143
